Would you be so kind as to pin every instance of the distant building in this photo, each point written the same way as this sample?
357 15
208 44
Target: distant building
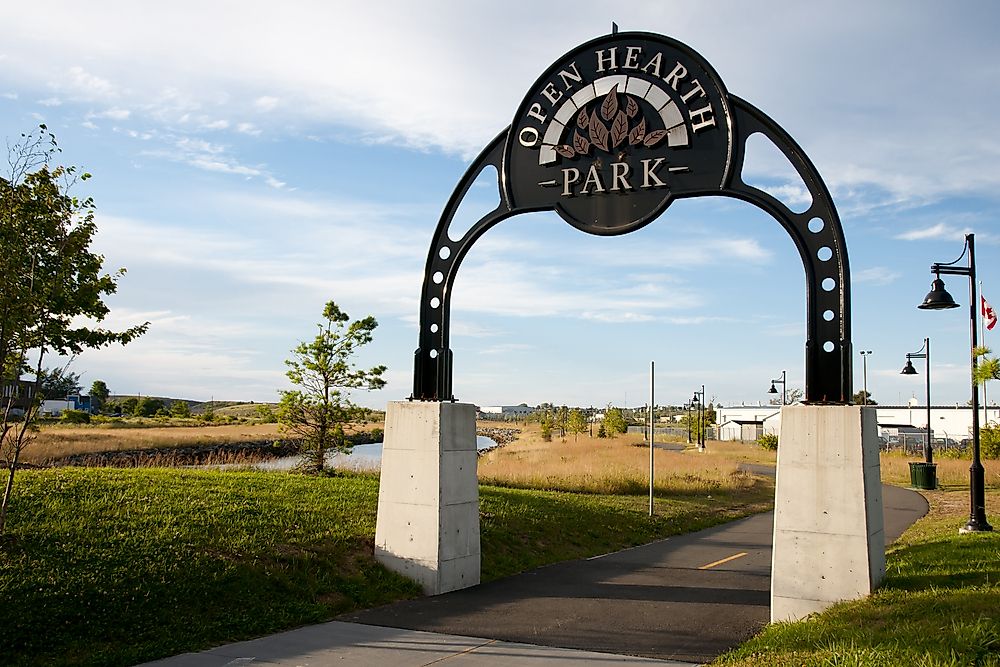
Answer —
949 423
20 394
504 412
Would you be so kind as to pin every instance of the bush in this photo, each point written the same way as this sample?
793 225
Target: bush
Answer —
989 441
75 417
768 441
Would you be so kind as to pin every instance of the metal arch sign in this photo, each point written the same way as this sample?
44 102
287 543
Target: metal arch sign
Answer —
615 130
608 137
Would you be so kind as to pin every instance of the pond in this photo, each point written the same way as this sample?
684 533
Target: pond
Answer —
362 457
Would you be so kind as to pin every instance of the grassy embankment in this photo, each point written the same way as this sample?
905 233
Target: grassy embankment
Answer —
112 567
938 606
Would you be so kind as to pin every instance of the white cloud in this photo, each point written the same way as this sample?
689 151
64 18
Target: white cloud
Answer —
86 86
938 231
114 113
876 275
266 103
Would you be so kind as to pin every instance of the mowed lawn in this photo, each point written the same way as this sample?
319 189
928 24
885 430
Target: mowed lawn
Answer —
113 567
939 605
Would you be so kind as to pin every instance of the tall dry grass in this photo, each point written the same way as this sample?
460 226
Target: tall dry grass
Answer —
613 466
950 472
56 442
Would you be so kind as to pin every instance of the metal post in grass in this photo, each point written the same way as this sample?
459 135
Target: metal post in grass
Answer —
652 433
939 299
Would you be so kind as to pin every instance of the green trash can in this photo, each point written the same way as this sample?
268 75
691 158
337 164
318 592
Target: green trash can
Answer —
923 475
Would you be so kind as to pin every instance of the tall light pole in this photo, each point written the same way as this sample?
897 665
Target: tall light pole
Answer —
864 374
925 354
772 390
687 413
699 402
939 299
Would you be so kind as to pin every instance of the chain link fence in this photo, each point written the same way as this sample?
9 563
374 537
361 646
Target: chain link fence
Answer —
913 443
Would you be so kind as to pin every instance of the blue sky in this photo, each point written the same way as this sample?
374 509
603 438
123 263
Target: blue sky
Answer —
253 160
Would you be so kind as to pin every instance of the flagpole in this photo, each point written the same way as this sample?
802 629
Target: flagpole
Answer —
982 337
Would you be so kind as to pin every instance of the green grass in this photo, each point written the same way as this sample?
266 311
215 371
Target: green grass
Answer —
938 606
113 567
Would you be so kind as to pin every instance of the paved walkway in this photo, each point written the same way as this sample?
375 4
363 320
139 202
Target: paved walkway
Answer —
682 600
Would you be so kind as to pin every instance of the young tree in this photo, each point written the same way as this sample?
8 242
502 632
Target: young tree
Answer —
614 422
860 397
147 406
180 409
577 423
58 383
52 283
324 371
99 393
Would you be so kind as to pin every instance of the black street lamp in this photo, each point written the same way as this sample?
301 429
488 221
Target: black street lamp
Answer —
772 390
939 299
687 413
698 400
925 354
864 363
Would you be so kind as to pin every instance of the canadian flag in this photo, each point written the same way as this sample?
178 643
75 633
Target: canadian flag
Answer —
989 315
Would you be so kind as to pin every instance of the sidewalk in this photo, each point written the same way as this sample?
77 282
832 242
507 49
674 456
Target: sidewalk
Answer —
357 645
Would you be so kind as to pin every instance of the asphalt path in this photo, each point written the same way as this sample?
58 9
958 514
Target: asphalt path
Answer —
686 598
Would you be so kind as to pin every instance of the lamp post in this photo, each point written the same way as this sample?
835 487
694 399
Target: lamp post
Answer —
925 354
687 412
939 299
699 402
864 374
772 390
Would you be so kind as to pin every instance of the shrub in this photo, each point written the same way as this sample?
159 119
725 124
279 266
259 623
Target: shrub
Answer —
989 441
75 417
768 441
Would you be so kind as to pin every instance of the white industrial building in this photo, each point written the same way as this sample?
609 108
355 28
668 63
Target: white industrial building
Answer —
505 412
951 422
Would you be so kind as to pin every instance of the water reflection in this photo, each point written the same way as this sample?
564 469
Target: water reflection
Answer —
362 457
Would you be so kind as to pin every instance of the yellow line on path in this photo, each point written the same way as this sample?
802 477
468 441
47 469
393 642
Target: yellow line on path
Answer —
724 560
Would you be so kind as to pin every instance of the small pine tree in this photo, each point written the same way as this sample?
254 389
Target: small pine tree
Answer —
546 429
601 433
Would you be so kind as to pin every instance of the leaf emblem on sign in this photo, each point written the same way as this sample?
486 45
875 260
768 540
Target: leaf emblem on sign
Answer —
591 131
638 133
598 132
619 129
609 107
565 151
654 138
631 108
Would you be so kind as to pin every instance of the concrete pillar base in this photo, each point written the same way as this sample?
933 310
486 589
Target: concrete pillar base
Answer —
829 543
428 501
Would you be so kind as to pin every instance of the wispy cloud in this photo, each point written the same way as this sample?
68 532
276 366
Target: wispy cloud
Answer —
938 231
876 275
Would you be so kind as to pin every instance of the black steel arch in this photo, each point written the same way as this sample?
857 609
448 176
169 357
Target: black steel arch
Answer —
816 232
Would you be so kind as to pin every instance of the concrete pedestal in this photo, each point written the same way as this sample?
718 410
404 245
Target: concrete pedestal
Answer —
829 543
428 500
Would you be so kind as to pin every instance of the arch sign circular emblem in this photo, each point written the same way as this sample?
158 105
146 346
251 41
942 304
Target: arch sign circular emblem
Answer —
615 130
608 137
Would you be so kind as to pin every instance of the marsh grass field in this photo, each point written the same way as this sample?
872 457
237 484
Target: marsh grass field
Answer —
618 466
56 441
